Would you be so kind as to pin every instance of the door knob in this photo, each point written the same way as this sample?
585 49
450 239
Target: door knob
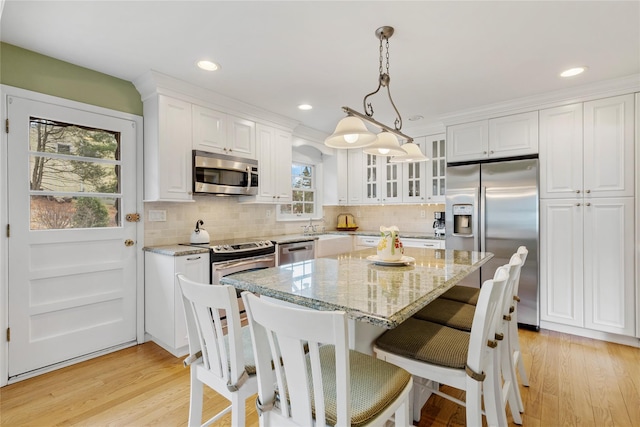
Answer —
128 242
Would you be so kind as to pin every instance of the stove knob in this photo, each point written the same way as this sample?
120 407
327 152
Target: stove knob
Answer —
218 248
227 248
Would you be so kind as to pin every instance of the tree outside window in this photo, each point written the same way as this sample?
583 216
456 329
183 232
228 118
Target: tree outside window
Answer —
75 176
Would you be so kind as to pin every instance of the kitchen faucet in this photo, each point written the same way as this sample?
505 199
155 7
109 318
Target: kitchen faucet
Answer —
311 228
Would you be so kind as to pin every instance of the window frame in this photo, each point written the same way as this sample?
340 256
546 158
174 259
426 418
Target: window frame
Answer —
316 179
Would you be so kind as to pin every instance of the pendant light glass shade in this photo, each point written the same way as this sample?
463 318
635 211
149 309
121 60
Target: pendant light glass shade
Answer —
386 145
412 154
350 132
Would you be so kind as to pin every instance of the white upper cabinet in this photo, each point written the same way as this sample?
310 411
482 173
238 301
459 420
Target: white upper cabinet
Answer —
468 141
355 178
415 177
167 149
502 137
343 178
241 137
515 135
274 164
382 180
209 130
436 151
561 161
587 150
609 147
217 132
424 182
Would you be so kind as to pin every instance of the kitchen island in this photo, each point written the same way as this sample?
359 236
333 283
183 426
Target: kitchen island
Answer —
375 297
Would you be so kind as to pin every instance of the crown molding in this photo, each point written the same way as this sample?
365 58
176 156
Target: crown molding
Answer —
154 83
587 92
426 129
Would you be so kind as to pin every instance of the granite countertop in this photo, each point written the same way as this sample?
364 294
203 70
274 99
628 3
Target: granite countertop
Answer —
384 296
180 250
292 238
177 250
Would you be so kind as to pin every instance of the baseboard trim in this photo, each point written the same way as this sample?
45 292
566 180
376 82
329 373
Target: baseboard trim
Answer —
588 333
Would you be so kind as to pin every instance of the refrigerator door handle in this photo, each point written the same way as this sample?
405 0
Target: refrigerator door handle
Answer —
481 218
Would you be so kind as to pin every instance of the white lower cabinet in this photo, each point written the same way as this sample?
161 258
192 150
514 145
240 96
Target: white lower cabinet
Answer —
587 263
363 242
164 314
422 243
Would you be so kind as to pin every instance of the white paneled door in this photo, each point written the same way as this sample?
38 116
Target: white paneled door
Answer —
72 252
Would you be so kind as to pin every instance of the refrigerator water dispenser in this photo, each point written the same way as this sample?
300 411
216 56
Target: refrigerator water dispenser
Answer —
463 220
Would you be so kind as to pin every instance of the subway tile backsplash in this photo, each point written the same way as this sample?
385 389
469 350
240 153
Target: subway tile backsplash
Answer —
225 218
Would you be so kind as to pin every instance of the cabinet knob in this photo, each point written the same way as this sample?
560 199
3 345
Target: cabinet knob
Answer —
588 204
577 191
588 191
491 152
484 152
577 204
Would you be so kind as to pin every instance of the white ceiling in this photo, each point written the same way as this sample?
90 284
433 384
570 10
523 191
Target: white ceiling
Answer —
445 57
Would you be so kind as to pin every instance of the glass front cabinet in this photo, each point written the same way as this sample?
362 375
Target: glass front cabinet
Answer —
424 182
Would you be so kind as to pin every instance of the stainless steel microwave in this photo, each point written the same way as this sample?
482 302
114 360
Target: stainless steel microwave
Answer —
224 175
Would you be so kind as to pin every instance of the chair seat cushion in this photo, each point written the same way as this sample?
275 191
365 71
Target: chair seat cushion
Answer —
448 313
428 342
247 349
374 385
463 294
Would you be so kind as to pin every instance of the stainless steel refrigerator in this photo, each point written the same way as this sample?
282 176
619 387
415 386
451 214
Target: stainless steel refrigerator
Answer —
493 207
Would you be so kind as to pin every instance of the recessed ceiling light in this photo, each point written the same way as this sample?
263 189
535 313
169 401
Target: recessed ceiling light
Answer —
573 71
208 65
305 107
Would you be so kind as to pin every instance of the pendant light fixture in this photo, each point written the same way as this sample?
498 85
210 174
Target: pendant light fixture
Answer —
386 145
412 154
351 132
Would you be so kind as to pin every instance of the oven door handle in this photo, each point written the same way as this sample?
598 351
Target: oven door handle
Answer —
241 263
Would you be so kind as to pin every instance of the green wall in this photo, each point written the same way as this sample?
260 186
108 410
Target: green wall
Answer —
39 73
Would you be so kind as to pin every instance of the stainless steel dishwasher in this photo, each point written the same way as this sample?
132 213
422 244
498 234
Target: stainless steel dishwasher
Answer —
295 252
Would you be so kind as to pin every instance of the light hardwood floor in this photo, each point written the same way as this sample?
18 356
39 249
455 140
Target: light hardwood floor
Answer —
574 382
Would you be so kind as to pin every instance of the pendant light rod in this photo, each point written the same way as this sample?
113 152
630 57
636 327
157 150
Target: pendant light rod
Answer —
374 122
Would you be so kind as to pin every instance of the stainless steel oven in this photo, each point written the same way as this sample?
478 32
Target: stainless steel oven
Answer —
236 256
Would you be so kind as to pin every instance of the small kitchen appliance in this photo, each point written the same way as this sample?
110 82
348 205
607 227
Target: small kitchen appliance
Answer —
346 222
199 235
438 223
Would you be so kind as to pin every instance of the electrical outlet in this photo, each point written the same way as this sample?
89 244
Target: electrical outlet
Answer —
160 216
423 214
358 214
268 213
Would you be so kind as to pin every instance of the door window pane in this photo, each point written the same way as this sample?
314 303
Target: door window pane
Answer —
74 176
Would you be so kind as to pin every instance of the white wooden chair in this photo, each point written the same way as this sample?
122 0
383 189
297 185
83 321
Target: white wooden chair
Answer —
450 356
222 361
469 295
512 332
458 315
329 385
